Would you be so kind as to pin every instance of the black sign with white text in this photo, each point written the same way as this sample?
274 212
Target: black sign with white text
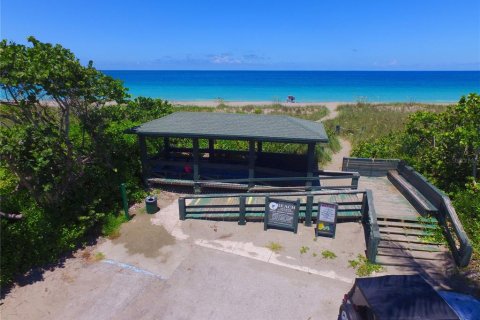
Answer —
281 214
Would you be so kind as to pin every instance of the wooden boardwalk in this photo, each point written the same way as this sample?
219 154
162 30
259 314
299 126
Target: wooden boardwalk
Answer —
406 241
388 201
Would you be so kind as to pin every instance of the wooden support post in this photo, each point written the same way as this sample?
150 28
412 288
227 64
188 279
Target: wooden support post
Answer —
308 211
196 172
295 230
265 218
355 178
310 160
166 147
211 149
241 218
259 149
181 208
251 162
372 249
364 209
143 159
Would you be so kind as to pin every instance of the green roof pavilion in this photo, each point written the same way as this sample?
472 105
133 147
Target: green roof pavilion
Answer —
235 126
213 126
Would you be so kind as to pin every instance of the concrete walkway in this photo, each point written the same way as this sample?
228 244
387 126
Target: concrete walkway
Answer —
163 268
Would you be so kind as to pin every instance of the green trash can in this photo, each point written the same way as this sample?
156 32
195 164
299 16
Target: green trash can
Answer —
151 204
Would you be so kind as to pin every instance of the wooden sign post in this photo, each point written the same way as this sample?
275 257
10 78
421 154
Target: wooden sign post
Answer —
326 219
281 214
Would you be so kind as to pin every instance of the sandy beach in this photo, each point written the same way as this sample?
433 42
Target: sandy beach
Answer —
331 106
214 103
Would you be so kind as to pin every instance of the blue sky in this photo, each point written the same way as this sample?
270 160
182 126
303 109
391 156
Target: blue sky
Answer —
255 35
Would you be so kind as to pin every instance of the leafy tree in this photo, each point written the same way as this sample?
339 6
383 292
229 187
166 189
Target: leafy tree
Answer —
46 91
63 152
445 145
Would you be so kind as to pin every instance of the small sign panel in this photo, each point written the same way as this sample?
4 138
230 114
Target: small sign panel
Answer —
326 219
281 214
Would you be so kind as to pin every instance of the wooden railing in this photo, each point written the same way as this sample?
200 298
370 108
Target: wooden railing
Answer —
276 183
190 206
370 167
447 217
372 232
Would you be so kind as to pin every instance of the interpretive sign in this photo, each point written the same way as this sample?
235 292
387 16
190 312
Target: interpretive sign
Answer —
281 214
326 219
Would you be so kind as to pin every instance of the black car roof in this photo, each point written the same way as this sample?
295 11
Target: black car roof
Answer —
404 297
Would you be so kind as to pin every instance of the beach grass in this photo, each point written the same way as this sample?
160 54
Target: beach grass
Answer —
363 121
307 112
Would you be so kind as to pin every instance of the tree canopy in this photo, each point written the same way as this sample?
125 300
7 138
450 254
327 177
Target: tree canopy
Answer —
44 89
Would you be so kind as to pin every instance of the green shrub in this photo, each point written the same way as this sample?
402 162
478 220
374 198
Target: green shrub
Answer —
112 223
467 205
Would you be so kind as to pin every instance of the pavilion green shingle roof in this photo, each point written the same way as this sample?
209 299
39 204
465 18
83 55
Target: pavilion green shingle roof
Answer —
215 125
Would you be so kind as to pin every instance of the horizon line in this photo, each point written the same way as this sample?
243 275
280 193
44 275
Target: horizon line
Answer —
276 70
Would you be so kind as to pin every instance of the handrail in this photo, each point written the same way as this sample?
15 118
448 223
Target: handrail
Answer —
301 193
373 231
463 254
278 179
446 213
325 175
307 198
370 166
373 159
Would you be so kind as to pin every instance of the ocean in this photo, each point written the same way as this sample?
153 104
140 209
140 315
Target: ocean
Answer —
306 86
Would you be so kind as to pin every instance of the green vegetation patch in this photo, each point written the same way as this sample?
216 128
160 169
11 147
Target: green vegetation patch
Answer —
327 254
304 249
433 232
364 267
308 112
274 247
111 225
363 121
99 256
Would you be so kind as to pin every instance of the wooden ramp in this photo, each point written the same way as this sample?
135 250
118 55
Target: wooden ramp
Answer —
407 239
388 201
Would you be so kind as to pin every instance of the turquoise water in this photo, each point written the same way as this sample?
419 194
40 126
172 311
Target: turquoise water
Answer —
306 86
